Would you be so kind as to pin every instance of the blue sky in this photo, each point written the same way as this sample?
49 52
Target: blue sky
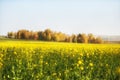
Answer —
100 17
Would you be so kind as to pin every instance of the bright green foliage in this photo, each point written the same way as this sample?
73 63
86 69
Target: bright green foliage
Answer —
20 60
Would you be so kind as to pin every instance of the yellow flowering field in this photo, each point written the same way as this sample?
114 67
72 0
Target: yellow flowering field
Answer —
34 60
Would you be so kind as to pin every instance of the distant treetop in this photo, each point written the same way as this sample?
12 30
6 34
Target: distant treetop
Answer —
49 35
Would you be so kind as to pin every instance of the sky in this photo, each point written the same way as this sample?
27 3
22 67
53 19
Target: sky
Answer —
100 17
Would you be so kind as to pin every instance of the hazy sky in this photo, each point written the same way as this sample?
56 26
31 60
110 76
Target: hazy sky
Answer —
69 16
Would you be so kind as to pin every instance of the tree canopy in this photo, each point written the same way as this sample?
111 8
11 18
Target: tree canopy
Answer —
49 35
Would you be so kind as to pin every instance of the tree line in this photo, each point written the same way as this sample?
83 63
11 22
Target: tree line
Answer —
49 35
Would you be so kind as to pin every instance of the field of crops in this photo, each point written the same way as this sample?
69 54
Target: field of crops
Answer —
33 60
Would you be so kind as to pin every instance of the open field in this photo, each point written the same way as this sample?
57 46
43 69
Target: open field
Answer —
35 60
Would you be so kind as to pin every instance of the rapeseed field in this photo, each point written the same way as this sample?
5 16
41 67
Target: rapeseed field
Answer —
34 60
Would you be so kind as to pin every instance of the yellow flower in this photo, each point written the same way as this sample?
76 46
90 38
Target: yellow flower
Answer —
106 65
41 61
87 55
81 68
1 55
81 54
91 64
54 74
46 63
55 63
58 79
15 53
41 56
34 65
73 55
118 70
77 65
79 62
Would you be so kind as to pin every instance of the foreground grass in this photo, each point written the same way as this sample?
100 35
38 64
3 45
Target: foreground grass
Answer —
34 60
